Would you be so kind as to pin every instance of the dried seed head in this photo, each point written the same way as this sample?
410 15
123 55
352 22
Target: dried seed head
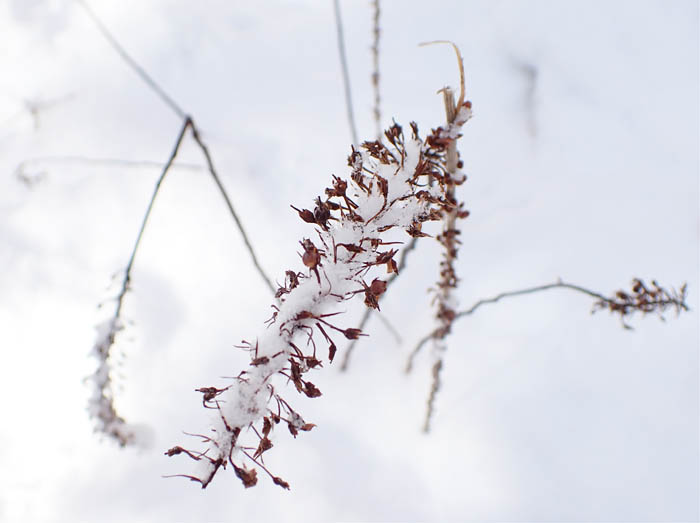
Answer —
305 215
377 287
248 477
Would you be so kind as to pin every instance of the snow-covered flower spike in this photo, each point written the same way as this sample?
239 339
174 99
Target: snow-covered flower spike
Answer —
101 404
392 189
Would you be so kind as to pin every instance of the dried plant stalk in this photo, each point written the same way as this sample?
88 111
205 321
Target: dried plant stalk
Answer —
445 300
376 33
643 298
356 226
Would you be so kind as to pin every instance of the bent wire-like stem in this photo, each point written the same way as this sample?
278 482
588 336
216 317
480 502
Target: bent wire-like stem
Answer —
180 112
101 404
376 33
643 297
234 215
445 300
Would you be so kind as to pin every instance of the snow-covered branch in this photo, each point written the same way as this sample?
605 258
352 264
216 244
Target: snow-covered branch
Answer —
357 226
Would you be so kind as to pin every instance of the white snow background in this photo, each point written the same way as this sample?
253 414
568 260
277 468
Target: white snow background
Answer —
546 412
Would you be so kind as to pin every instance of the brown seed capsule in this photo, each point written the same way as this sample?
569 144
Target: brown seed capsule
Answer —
311 390
248 477
305 215
377 287
352 334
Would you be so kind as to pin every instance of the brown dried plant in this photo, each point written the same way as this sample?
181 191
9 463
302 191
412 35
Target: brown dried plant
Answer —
101 404
397 183
644 298
356 225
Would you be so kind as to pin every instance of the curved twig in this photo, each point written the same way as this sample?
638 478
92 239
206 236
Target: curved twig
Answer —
642 298
102 401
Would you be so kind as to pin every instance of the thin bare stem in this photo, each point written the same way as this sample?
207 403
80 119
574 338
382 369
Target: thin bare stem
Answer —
217 180
622 303
375 74
530 290
434 389
346 74
127 274
102 404
460 64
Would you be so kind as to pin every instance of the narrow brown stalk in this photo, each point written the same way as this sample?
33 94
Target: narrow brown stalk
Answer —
127 274
108 162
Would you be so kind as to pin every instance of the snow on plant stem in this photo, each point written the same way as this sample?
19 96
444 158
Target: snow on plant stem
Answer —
392 187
